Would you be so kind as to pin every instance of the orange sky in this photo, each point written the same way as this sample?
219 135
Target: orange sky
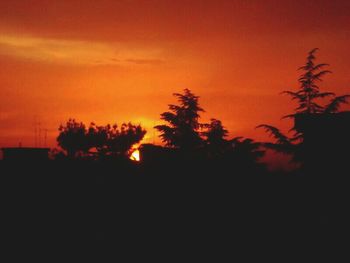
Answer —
111 61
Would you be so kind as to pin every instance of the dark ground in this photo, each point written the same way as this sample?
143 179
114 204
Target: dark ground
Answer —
172 207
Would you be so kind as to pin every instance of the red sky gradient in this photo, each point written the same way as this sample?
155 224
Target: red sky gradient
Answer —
111 61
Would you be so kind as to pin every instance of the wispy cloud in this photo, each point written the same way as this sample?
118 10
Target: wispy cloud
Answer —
76 52
145 61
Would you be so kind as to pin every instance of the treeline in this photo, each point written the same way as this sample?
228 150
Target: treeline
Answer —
94 141
183 133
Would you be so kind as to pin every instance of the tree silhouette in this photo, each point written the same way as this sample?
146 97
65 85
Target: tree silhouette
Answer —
97 137
72 138
309 91
282 143
121 140
334 105
306 97
107 140
245 152
184 132
216 144
183 129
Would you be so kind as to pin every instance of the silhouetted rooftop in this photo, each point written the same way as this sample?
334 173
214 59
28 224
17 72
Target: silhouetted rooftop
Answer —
322 122
25 153
326 139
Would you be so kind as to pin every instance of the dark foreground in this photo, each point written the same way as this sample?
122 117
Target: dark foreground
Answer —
172 207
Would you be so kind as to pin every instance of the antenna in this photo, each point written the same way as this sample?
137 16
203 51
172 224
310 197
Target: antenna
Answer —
45 137
35 131
154 133
38 133
39 137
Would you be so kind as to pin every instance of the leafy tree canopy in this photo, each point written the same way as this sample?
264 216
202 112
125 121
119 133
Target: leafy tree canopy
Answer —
109 140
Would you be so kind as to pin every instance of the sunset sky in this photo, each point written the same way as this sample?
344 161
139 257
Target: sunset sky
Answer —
112 61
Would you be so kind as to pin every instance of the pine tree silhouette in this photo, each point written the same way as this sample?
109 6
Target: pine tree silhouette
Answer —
183 128
309 90
306 97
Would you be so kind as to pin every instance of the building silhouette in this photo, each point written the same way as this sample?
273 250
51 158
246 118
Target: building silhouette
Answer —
25 154
326 142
